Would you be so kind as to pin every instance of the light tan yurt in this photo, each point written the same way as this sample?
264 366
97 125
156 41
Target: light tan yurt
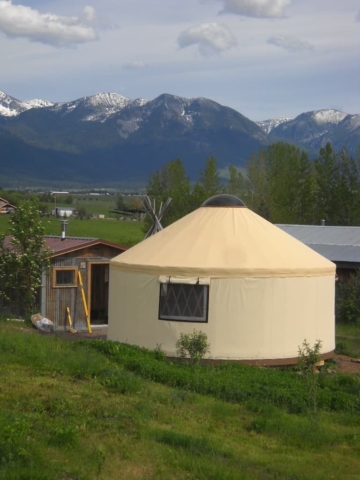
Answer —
256 292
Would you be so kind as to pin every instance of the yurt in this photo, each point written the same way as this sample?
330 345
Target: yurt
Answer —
255 291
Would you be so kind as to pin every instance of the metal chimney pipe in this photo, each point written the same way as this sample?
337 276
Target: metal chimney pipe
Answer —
64 224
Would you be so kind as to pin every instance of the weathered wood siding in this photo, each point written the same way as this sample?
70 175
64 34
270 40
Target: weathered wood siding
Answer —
58 298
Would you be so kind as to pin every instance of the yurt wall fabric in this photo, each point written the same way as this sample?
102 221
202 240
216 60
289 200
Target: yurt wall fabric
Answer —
247 318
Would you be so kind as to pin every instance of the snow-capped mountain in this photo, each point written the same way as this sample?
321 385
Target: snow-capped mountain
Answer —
108 137
96 108
332 117
314 129
268 125
11 107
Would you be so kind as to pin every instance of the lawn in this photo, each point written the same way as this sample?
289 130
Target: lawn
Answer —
95 410
124 232
348 340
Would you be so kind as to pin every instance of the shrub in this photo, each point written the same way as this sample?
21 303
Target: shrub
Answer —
308 358
348 300
120 381
194 345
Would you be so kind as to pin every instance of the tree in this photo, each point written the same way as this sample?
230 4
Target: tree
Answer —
348 300
327 177
170 181
82 212
120 205
289 184
256 184
210 178
209 184
347 191
22 264
236 185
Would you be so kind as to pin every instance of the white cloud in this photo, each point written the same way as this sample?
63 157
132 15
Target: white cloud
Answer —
210 38
290 43
135 64
256 8
23 21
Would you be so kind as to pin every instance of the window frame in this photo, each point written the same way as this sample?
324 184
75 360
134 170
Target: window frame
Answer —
206 290
57 269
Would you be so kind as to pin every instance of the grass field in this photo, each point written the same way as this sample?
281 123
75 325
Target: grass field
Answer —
119 231
348 340
75 410
103 204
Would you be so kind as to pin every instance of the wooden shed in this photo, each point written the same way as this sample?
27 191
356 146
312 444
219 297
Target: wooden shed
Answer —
61 287
6 207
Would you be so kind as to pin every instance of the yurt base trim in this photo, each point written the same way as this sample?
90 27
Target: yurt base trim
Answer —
257 362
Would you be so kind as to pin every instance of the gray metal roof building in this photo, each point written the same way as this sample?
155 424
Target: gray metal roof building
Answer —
338 244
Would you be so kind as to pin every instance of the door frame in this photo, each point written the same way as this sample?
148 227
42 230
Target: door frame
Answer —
90 264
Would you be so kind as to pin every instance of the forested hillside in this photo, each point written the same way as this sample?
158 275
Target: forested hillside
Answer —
280 183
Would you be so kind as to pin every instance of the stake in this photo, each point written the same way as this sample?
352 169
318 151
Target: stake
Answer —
84 302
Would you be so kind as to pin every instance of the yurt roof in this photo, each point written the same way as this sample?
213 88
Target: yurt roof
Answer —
223 239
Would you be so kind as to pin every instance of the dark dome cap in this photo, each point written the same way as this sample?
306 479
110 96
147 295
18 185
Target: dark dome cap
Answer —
223 200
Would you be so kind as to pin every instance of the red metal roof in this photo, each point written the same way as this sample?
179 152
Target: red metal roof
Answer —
5 204
59 246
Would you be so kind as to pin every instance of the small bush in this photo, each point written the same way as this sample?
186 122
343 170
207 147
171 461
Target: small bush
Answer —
64 437
348 300
13 433
120 381
342 348
308 359
193 345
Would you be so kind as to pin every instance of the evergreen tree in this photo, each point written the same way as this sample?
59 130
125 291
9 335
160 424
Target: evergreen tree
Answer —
120 204
171 181
210 178
256 185
347 191
21 265
236 185
327 175
290 184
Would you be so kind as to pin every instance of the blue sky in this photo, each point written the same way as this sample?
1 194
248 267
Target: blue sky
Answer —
264 58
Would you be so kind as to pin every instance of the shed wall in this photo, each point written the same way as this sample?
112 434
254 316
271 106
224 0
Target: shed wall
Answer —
57 299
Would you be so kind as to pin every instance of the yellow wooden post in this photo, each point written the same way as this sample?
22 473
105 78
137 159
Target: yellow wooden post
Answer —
84 302
69 316
71 329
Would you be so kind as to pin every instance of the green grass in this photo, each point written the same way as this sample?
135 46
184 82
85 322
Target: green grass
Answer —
94 204
103 204
118 231
348 340
4 224
70 411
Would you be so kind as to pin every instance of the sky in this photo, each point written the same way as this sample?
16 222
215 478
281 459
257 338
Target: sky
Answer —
264 58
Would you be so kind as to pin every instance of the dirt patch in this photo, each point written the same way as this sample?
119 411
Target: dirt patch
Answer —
346 364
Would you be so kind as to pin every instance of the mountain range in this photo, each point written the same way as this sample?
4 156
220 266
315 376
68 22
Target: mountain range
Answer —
110 139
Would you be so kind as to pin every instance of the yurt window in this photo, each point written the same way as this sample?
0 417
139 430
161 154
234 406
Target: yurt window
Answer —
184 303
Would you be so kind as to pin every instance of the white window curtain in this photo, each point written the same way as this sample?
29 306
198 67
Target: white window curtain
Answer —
184 280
